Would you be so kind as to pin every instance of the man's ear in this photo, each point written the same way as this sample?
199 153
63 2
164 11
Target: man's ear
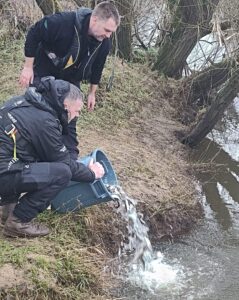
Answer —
94 19
65 104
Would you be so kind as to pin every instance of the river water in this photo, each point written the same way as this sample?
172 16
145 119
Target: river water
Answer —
205 262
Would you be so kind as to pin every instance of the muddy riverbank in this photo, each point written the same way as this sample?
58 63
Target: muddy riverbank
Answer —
135 125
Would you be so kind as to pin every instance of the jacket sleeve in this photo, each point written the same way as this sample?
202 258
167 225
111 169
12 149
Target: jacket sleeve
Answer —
38 33
70 140
47 31
50 148
98 65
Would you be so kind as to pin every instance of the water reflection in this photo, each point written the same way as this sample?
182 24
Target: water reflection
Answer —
210 152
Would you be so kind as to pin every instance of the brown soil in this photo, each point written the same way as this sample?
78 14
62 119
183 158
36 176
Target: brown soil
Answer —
10 277
151 165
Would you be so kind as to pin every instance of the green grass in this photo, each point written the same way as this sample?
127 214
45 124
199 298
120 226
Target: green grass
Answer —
60 266
127 96
11 60
17 255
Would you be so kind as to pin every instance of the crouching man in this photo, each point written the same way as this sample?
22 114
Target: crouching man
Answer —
33 157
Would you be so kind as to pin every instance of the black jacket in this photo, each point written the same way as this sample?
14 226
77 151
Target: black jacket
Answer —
39 121
55 34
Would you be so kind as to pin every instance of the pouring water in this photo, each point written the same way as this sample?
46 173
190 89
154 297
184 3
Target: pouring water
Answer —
139 263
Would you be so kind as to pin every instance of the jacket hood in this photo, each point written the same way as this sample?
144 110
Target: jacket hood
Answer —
50 95
81 13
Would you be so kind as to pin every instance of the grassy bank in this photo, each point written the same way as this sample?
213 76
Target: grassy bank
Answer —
134 124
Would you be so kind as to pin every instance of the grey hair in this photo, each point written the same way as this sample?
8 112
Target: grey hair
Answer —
106 10
75 93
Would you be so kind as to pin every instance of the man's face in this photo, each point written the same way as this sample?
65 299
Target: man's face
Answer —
101 29
73 108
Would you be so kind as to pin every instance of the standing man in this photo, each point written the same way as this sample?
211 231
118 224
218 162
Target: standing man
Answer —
72 46
33 158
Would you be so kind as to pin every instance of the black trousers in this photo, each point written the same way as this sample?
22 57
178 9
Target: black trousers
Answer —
40 182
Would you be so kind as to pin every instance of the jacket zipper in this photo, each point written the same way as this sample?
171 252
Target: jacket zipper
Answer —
78 50
90 59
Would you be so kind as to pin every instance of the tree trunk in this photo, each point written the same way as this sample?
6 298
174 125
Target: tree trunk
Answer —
223 99
191 21
208 79
124 32
48 6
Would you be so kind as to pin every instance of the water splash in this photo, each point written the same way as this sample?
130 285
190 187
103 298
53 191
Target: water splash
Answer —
140 264
156 275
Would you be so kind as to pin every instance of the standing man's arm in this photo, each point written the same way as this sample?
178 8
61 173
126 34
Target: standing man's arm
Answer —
27 75
46 31
97 69
91 96
33 38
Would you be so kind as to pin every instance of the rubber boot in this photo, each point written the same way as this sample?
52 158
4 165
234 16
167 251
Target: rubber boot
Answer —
6 210
14 227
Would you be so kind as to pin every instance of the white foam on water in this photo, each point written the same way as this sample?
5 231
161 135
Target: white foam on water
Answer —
155 276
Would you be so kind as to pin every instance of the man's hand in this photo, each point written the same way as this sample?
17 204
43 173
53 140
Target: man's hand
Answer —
91 101
97 168
26 77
